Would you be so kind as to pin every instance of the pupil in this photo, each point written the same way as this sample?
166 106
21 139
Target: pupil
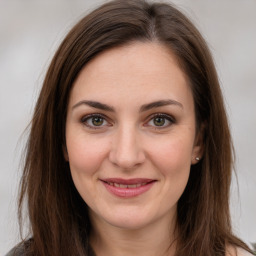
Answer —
159 121
97 121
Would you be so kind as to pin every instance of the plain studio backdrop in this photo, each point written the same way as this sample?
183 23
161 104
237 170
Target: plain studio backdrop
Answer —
30 32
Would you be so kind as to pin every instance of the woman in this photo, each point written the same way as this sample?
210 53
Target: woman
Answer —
130 150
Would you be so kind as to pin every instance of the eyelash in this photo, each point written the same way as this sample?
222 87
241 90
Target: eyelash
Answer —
85 119
167 117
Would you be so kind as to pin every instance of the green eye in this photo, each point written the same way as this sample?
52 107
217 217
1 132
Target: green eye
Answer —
94 121
97 121
159 121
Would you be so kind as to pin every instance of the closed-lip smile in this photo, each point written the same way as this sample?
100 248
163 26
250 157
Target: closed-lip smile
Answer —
127 188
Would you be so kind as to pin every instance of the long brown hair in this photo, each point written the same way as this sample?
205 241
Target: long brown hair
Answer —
57 214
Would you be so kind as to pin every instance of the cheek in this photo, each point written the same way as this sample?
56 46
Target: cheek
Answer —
173 160
84 155
85 158
173 156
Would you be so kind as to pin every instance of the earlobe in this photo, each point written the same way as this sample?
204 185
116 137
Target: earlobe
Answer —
197 155
198 149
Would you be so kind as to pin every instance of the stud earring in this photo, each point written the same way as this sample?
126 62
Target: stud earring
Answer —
197 158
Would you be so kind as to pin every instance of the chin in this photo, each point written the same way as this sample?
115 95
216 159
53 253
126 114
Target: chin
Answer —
130 219
129 223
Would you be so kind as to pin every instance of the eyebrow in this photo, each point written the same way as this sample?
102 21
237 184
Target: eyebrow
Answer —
160 103
143 108
94 104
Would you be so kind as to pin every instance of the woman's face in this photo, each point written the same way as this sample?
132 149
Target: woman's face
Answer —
130 135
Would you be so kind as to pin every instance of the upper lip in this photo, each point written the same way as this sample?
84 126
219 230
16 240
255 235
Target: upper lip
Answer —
127 181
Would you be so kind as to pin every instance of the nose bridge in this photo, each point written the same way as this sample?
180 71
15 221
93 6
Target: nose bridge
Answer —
127 151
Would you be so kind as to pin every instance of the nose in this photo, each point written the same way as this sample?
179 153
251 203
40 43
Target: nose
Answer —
126 151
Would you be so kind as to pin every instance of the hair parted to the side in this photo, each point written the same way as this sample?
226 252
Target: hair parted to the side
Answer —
57 214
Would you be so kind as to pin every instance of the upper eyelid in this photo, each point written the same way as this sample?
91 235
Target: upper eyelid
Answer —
94 115
167 116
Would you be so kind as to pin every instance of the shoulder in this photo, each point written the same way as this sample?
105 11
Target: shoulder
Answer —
17 251
241 252
235 251
21 249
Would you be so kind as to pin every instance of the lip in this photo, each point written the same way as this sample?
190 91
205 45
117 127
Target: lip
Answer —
127 188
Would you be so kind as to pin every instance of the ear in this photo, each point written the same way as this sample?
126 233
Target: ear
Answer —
65 152
198 148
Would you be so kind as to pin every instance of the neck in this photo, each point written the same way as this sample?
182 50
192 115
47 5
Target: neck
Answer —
155 239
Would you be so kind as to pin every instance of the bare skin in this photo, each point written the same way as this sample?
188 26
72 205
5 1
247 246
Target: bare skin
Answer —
131 118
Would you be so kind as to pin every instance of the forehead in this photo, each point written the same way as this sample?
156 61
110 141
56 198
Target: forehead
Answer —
137 70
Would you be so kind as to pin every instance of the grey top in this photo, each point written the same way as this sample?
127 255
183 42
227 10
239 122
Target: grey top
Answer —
17 251
20 251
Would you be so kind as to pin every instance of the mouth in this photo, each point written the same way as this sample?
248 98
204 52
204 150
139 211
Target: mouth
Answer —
127 188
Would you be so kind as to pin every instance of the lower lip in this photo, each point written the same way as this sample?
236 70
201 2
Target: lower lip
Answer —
128 192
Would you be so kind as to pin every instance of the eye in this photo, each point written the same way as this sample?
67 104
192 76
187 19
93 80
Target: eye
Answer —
94 121
160 121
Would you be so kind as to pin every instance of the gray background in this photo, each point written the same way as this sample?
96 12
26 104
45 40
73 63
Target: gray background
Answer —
31 30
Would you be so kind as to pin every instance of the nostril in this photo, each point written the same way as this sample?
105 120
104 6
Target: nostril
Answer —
126 162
